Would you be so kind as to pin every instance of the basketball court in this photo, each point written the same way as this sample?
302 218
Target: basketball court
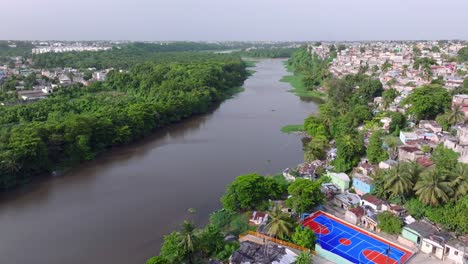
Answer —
352 243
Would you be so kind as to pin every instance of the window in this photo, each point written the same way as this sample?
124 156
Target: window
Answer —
455 253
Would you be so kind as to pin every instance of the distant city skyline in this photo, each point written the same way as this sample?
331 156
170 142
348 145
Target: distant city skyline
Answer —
241 20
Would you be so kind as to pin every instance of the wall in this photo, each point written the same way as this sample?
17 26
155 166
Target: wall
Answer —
410 235
458 259
330 256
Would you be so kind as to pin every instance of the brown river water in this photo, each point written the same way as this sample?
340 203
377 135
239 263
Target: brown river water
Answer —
117 208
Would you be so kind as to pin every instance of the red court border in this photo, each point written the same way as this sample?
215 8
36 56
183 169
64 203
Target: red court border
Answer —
408 254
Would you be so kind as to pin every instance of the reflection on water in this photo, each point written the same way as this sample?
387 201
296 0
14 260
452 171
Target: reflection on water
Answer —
117 208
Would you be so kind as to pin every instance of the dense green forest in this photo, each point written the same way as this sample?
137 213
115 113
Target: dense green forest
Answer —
123 57
77 123
267 53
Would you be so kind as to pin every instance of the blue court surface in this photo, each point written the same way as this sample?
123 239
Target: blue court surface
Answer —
352 243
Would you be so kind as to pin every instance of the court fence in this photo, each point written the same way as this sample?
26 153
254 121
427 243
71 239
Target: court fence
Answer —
278 241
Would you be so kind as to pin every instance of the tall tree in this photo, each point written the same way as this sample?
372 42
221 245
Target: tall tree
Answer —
459 181
433 188
428 101
375 151
250 191
304 237
280 224
189 239
397 182
456 116
305 195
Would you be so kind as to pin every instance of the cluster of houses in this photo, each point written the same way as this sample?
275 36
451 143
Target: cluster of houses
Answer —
47 80
393 62
353 195
419 142
57 47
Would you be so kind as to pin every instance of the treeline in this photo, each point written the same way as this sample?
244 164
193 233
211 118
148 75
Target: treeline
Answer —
20 48
347 108
125 56
313 69
77 123
267 52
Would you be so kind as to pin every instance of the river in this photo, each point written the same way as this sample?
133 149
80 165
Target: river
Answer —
117 208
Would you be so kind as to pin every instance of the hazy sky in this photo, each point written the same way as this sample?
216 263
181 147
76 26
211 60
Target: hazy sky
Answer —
234 20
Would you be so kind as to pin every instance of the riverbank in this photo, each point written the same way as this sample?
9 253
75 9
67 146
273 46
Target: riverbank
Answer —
144 189
295 79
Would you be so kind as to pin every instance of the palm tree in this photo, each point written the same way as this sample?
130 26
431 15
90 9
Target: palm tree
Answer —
315 149
398 181
459 181
413 170
433 188
456 116
280 224
303 258
189 237
405 69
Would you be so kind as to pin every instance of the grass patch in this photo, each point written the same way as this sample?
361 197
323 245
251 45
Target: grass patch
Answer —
250 63
292 128
299 89
228 94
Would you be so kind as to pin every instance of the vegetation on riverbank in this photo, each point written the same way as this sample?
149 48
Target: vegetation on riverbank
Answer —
247 193
273 52
438 192
78 123
308 74
128 55
292 128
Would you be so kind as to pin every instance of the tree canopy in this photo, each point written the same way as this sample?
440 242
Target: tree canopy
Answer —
305 195
77 123
428 101
250 192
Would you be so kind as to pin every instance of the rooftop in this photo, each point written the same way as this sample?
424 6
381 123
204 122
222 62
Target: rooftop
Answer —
424 228
372 199
409 149
250 252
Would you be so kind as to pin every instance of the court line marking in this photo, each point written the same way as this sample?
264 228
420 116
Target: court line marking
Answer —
334 227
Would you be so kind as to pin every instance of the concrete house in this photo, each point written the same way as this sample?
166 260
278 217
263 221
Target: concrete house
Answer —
354 215
373 202
347 200
430 125
407 136
409 153
456 250
435 244
414 233
340 179
363 184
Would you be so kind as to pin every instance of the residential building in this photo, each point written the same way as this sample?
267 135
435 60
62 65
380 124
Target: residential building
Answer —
340 179
407 136
409 153
347 200
373 202
456 250
363 184
354 215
